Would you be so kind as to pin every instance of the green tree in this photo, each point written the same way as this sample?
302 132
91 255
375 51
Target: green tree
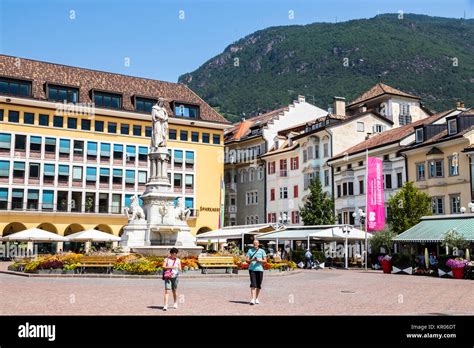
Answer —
319 207
382 239
454 239
407 207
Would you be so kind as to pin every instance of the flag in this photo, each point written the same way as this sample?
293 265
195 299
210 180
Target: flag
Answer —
375 211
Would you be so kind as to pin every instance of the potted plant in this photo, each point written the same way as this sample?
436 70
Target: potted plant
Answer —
386 263
457 265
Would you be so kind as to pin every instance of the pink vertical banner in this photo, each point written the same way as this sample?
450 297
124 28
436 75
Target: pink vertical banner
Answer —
375 211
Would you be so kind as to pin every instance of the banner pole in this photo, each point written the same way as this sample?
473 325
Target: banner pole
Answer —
366 205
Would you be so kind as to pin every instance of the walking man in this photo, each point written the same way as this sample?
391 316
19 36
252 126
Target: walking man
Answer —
309 259
256 257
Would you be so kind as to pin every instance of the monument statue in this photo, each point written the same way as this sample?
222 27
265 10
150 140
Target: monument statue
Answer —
159 225
159 117
134 212
182 213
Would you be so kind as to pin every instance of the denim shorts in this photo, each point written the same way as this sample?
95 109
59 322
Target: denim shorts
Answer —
171 283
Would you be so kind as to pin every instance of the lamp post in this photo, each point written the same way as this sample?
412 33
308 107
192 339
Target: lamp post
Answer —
346 230
361 216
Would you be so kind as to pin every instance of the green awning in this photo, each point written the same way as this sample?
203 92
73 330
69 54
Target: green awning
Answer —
433 228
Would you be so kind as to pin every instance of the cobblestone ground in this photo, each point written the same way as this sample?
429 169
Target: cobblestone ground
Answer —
322 292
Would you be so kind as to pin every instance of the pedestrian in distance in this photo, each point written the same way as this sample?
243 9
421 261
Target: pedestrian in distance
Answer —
171 270
309 259
256 257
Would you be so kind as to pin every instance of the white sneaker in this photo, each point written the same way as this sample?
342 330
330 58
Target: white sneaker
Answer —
175 306
165 308
252 302
257 301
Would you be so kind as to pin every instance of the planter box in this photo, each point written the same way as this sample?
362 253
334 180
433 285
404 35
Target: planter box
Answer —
55 271
402 270
71 271
120 272
445 273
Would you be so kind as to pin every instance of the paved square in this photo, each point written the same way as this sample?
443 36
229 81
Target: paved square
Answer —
322 292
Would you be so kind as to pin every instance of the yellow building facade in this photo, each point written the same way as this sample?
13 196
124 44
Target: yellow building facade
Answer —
73 165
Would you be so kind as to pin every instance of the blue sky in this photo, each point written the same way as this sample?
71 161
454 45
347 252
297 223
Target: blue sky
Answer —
157 43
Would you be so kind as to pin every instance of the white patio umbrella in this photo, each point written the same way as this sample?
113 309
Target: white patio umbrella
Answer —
34 235
92 236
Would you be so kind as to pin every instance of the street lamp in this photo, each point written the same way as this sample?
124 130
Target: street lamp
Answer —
361 216
346 230
471 206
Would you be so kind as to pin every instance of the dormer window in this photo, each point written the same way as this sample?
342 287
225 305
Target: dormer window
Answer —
419 135
62 93
144 104
186 110
452 126
15 87
107 100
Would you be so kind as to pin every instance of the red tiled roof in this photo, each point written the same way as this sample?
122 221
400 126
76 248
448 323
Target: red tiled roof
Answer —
86 80
378 90
391 135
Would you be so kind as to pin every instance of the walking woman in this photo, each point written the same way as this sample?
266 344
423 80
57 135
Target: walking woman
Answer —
171 269
256 257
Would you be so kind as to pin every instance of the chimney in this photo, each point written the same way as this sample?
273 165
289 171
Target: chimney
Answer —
368 136
461 105
340 106
301 98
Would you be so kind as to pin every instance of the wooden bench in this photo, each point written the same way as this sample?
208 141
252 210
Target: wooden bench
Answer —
216 262
97 262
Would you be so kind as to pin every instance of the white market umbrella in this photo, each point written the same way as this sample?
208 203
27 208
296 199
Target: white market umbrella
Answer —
92 235
34 235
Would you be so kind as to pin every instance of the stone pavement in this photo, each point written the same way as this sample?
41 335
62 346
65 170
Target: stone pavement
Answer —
322 292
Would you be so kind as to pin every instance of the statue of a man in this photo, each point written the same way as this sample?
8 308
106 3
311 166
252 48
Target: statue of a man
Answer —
159 117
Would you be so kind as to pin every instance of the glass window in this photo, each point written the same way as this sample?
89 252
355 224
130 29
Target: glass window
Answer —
360 126
50 145
452 126
455 204
116 203
48 199
72 123
436 169
29 118
112 127
195 137
131 153
104 175
130 177
91 148
189 181
34 170
178 180
5 141
3 198
438 205
172 134
4 169
420 171
124 129
35 143
141 177
15 87
104 150
1 114
33 199
64 146
216 139
144 104
189 203
205 138
142 153
13 116
91 174
453 163
419 135
148 131
183 135
20 142
388 181
58 121
78 147
186 110
19 169
17 198
107 100
117 176
62 93
137 130
399 180
178 156
63 170
189 157
49 170
86 124
118 151
43 120
99 126
76 173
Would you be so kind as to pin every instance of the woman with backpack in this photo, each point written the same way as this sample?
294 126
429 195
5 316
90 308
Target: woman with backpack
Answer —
171 269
